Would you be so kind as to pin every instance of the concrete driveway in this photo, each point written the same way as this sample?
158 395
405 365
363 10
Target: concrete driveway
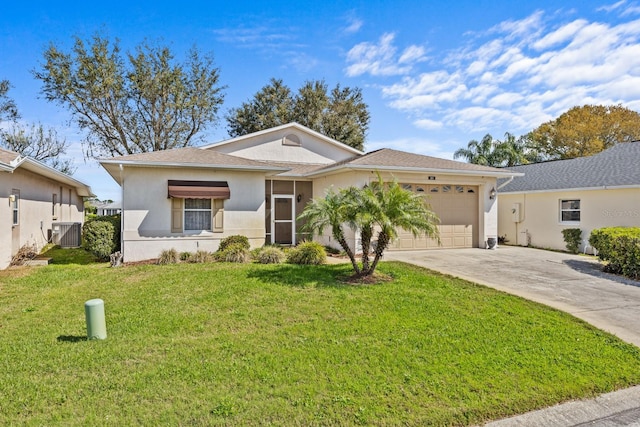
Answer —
570 283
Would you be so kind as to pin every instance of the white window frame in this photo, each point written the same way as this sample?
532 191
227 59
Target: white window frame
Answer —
184 215
562 210
15 208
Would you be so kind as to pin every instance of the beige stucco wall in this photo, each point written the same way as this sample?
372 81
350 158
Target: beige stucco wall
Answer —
269 147
36 195
147 211
487 208
540 223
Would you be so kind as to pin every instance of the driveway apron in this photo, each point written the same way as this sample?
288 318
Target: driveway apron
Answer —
571 283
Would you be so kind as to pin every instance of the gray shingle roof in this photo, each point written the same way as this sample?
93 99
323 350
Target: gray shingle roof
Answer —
616 166
189 156
389 158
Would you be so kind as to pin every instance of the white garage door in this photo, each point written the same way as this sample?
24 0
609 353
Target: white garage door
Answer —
457 208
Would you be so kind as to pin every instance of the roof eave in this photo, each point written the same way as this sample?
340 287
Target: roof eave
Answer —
559 190
279 128
192 165
40 168
497 174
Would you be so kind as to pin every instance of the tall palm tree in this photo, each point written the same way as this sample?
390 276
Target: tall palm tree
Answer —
480 153
330 212
378 207
387 207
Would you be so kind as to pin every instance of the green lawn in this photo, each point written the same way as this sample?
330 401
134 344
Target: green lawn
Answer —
229 344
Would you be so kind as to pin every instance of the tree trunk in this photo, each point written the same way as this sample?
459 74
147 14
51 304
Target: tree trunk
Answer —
365 236
383 242
349 252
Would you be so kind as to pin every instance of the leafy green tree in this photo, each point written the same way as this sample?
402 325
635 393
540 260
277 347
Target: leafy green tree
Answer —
340 113
584 131
272 106
377 211
144 101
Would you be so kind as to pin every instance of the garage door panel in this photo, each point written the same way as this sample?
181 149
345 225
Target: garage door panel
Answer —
458 213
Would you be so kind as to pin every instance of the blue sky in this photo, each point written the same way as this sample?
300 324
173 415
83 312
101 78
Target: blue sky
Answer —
435 74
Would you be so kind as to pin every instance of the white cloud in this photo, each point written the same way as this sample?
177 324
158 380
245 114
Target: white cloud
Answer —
354 25
380 59
428 124
561 35
422 146
612 7
412 54
514 76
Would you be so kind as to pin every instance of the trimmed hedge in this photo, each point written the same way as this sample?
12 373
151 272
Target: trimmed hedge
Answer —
236 239
620 248
309 253
101 236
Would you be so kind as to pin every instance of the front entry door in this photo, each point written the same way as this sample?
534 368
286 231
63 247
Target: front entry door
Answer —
283 226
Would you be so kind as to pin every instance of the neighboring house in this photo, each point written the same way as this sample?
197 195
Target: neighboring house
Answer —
602 190
256 185
107 209
34 197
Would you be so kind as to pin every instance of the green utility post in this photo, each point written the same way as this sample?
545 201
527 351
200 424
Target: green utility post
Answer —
96 325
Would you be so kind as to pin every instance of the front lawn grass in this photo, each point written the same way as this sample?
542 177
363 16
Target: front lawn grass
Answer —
231 344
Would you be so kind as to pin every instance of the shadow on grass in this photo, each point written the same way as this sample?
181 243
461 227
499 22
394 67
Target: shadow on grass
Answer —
595 269
303 276
71 338
67 256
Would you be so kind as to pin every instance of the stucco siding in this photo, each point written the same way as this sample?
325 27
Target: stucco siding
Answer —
147 211
35 207
540 223
270 147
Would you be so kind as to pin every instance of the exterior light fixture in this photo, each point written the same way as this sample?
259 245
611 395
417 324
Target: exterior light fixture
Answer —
492 193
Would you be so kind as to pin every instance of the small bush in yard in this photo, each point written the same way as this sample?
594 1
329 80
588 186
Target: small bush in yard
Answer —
310 253
184 256
573 238
236 252
200 257
101 236
619 247
269 255
234 240
169 256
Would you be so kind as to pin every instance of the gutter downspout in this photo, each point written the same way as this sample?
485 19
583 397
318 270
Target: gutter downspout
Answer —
505 183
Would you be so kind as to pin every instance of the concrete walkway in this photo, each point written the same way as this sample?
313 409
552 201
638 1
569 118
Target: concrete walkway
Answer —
570 283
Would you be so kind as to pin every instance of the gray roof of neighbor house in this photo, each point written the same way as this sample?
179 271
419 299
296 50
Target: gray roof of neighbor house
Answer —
389 159
618 166
10 161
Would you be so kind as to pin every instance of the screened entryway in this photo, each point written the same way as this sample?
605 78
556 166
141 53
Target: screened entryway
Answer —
284 202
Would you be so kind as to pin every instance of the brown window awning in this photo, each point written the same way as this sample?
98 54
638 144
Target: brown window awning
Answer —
199 189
